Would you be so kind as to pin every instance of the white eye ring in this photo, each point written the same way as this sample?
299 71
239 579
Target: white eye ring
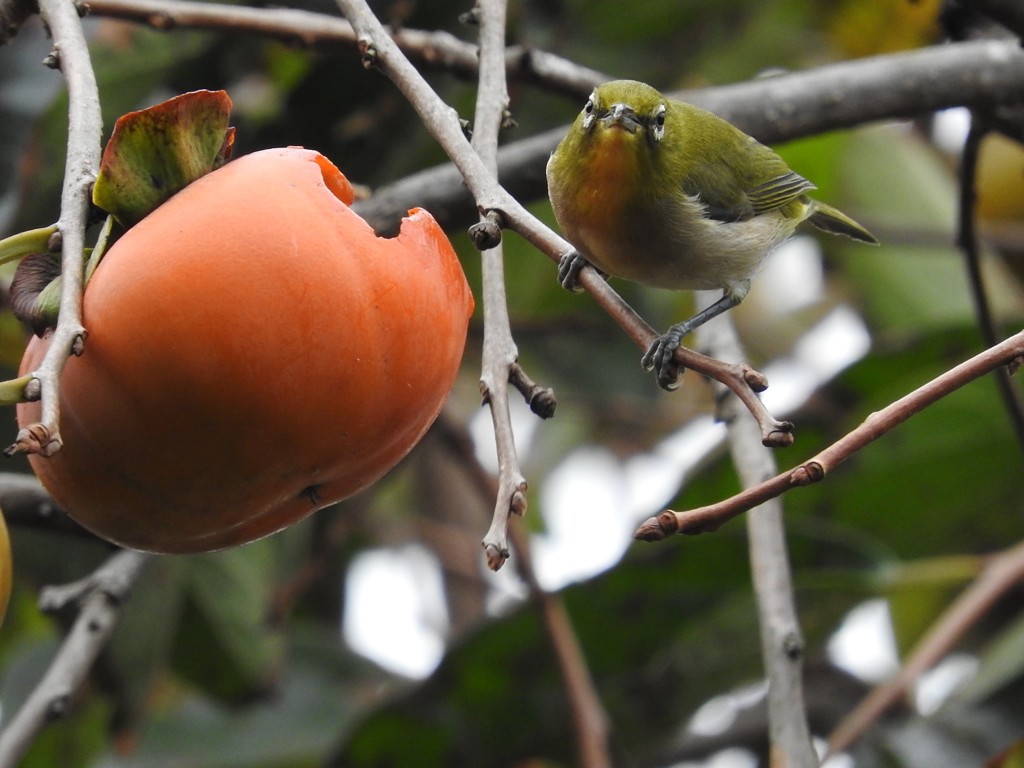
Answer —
658 124
588 112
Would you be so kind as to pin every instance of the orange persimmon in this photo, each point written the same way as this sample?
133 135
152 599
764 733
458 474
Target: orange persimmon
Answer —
255 352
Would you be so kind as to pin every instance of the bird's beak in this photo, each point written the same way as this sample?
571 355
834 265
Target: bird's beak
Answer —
622 116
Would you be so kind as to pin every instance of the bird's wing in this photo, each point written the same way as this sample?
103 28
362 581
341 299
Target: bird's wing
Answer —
778 192
736 177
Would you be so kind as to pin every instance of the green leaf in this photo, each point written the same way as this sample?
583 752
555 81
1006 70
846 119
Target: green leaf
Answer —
155 152
224 644
325 691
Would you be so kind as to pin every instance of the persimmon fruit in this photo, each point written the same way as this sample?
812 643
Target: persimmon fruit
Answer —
255 352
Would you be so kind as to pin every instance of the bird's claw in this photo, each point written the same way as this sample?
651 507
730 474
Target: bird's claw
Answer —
569 267
660 357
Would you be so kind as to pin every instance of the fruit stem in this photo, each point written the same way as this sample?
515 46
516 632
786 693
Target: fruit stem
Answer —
26 243
100 249
12 391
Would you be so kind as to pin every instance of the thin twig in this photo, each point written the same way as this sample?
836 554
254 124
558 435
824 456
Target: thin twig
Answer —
967 239
591 721
499 348
100 597
1003 572
541 399
782 642
1009 353
429 49
83 158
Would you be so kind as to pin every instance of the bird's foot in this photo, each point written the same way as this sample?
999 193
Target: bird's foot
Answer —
569 267
660 356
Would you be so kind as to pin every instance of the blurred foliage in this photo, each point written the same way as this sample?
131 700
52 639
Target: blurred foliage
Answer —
237 659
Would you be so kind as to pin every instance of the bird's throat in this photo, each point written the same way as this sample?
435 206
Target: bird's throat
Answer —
611 177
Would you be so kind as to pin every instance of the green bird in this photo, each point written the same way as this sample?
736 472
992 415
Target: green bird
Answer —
672 196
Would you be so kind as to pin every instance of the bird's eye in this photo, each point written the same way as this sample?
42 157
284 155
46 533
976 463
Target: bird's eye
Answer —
658 123
588 113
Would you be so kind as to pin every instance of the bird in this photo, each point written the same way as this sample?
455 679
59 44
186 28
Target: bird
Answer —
667 194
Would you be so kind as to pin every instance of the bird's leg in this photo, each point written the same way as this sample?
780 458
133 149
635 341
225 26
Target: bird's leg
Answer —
569 267
659 356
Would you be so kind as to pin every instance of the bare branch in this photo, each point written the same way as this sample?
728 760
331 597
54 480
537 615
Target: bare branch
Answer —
1009 353
100 597
782 642
499 348
83 159
430 50
1003 572
592 723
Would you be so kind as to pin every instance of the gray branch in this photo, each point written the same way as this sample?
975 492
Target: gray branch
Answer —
782 643
981 75
100 596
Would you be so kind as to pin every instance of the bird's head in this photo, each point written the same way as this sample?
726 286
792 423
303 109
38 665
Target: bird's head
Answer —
625 107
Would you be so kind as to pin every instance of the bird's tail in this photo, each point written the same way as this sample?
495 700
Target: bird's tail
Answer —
836 222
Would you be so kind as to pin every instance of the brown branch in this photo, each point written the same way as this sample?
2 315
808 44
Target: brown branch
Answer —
1003 572
83 158
782 642
541 400
591 721
1009 353
100 597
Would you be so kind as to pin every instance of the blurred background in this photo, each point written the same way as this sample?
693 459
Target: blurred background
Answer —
371 634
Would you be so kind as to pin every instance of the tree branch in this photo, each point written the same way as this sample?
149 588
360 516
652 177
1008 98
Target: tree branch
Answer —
100 597
26 504
591 721
429 50
499 348
782 643
83 158
1009 353
1003 572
